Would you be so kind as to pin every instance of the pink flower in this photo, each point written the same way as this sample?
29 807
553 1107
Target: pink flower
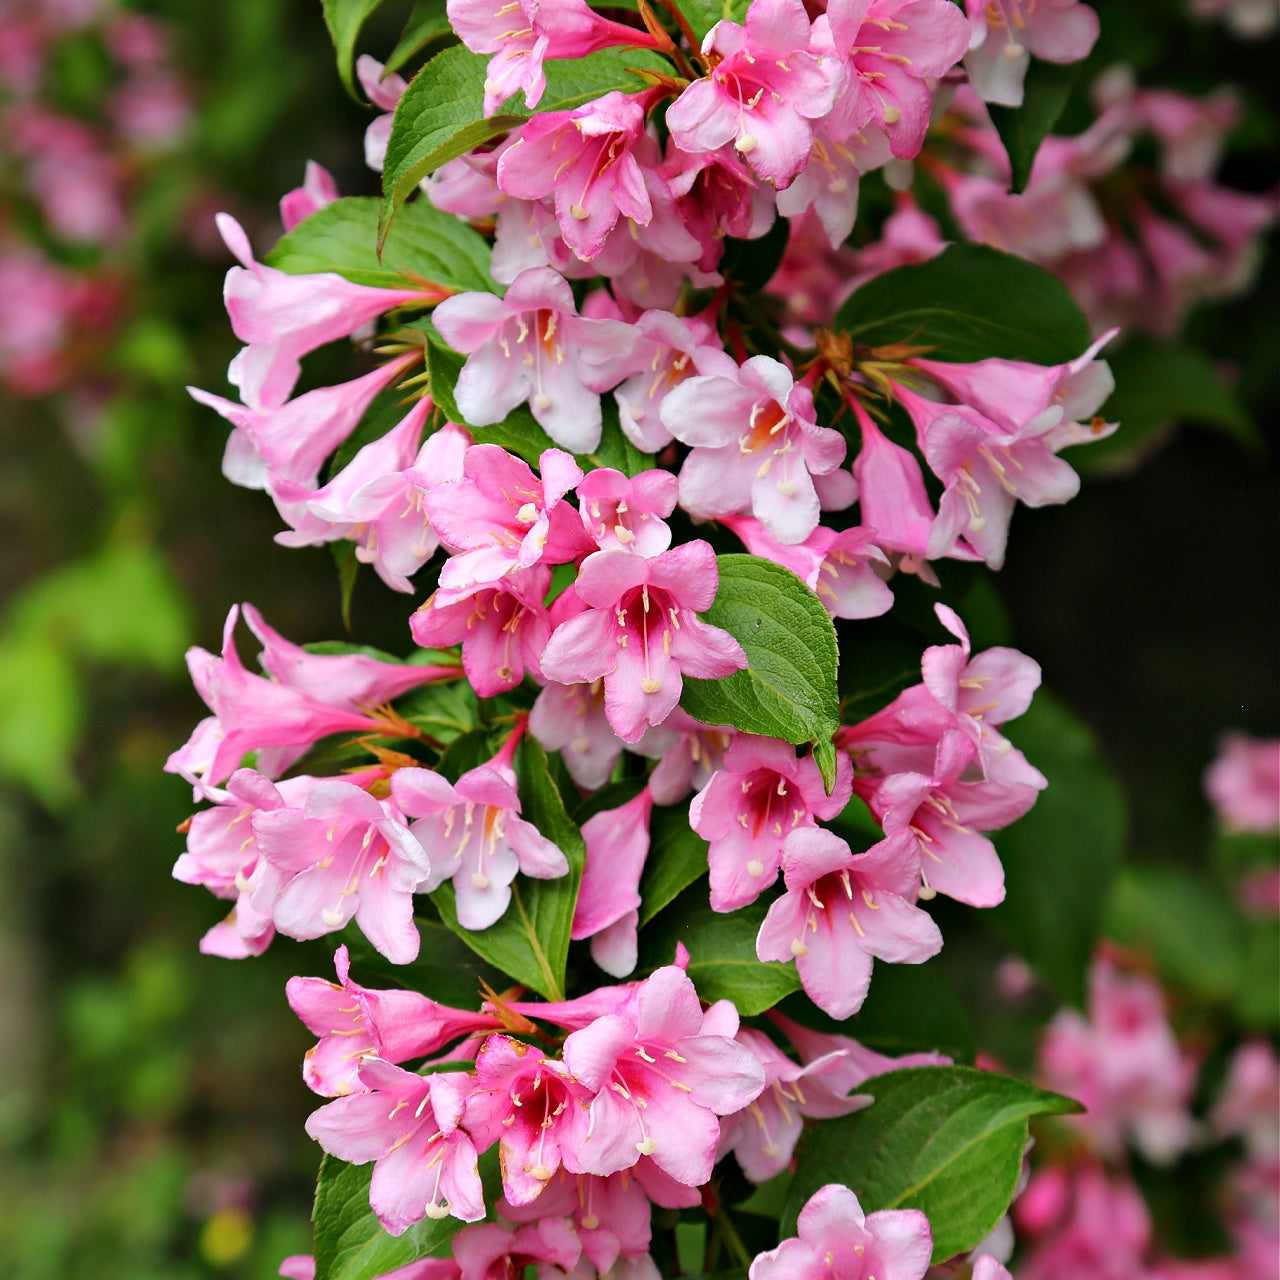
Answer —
495 1251
571 719
318 190
757 447
608 904
893 49
522 33
475 835
500 517
533 1107
251 713
532 345
763 90
641 633
354 1022
840 910
688 753
624 514
1004 36
1125 1065
763 1136
342 855
424 1164
891 490
661 1077
835 1238
282 317
1243 783
383 91
584 159
762 793
503 629
843 569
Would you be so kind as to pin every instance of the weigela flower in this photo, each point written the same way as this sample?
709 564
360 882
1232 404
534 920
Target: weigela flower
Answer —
318 189
1243 783
475 836
627 514
763 90
757 447
661 1077
762 793
343 855
1004 37
571 719
532 345
424 1164
640 633
840 910
354 1022
500 517
835 1238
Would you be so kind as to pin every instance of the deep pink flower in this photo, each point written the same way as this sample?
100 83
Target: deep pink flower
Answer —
500 517
757 447
529 1104
495 1251
354 1022
425 1165
835 1238
318 189
688 753
718 196
661 1079
840 910
891 490
475 835
532 345
763 90
762 793
585 160
502 628
641 633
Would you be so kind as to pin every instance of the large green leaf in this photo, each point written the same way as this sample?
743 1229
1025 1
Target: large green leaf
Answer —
441 115
788 689
945 1140
1060 859
429 21
344 18
702 15
722 953
424 244
1022 129
351 1243
1158 386
969 303
531 941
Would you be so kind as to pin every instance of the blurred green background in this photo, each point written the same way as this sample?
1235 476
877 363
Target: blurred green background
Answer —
150 1119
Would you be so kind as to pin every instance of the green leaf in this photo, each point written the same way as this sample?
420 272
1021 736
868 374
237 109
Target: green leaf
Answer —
441 115
722 953
42 716
1185 922
425 244
531 941
910 1008
428 21
945 1140
1022 129
788 689
1060 859
969 303
351 1243
518 433
344 18
1158 385
677 857
442 711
